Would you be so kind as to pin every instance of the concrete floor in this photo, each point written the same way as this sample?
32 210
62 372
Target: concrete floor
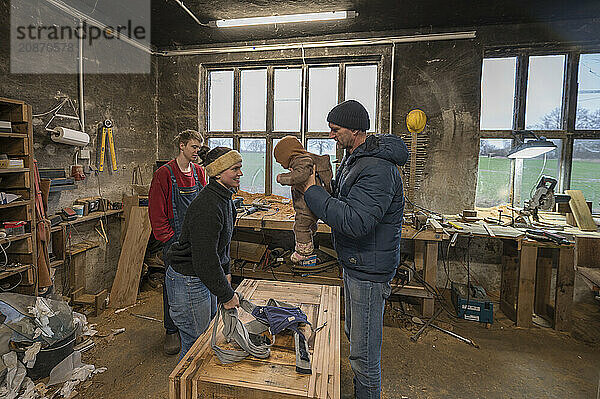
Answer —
510 363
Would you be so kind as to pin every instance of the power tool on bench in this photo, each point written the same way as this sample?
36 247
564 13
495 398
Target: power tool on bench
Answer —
542 198
249 209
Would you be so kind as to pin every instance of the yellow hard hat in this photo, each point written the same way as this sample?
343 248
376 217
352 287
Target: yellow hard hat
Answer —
415 121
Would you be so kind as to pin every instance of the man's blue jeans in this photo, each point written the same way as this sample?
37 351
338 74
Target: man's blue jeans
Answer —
364 306
192 307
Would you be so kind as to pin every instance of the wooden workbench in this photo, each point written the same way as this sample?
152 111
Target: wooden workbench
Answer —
527 268
200 374
426 254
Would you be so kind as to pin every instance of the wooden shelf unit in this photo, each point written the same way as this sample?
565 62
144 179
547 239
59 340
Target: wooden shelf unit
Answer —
18 144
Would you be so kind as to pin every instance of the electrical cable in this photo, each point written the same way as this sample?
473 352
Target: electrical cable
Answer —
54 109
468 253
419 231
538 178
15 286
5 255
418 206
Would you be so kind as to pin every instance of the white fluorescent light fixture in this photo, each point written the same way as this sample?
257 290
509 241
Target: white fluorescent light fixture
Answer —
283 19
533 148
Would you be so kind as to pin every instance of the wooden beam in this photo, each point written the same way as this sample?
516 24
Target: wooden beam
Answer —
526 288
543 281
125 286
581 212
429 274
565 281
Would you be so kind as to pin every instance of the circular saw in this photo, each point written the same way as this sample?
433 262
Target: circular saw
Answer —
543 197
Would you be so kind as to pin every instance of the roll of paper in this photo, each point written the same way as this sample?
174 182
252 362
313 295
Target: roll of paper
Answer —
70 136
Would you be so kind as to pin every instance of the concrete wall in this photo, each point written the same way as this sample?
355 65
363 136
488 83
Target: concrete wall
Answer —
128 100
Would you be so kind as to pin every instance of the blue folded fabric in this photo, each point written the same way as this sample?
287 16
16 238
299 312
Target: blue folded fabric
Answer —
280 318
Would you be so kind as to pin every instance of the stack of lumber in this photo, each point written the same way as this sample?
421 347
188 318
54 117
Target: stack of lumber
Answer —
200 374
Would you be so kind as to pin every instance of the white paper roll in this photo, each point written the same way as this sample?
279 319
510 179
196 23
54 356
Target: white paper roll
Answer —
70 136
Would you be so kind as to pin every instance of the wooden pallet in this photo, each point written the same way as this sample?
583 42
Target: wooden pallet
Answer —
200 374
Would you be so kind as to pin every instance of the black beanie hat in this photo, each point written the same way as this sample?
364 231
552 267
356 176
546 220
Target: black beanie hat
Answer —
350 114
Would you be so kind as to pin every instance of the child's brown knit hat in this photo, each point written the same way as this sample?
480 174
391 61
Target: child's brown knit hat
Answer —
286 149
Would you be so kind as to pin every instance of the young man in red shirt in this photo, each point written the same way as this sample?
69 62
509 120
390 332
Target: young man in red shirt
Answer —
173 188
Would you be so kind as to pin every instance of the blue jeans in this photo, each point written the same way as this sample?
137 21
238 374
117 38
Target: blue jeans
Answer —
170 327
192 307
364 305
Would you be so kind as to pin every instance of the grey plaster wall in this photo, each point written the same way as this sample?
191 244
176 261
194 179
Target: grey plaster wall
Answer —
128 100
443 79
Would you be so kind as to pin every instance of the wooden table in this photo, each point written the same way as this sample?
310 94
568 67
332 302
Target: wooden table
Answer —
526 282
426 257
200 374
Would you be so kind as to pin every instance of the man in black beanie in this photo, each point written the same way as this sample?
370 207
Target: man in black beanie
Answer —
365 215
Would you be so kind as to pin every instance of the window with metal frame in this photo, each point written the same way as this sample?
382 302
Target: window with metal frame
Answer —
251 107
554 95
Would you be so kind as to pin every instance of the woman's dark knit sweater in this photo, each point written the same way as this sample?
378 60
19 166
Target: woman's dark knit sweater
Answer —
203 247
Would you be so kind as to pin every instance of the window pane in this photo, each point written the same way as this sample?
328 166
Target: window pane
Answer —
585 174
288 90
361 85
220 101
321 147
322 96
253 165
544 92
493 179
278 189
534 168
498 93
254 100
220 142
588 94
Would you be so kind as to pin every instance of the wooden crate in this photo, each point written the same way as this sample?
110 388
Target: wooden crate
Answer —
200 374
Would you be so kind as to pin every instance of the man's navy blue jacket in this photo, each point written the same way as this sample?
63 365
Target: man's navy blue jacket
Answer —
366 209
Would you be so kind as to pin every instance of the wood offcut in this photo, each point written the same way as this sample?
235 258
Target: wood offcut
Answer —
125 286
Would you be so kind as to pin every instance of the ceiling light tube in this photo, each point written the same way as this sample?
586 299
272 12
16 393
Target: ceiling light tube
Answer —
282 19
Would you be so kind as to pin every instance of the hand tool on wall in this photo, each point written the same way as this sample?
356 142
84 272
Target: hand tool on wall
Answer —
104 131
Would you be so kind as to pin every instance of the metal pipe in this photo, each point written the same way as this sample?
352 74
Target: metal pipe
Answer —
190 13
392 88
91 21
325 43
80 71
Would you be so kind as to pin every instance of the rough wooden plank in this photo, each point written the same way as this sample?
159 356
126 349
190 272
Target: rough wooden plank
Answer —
526 288
317 354
565 280
543 281
337 345
587 250
508 285
247 251
581 212
129 201
77 268
419 254
125 286
429 274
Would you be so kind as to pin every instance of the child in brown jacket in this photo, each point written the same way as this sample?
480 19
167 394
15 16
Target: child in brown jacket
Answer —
290 154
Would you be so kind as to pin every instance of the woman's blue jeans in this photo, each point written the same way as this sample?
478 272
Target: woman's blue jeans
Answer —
364 306
191 306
